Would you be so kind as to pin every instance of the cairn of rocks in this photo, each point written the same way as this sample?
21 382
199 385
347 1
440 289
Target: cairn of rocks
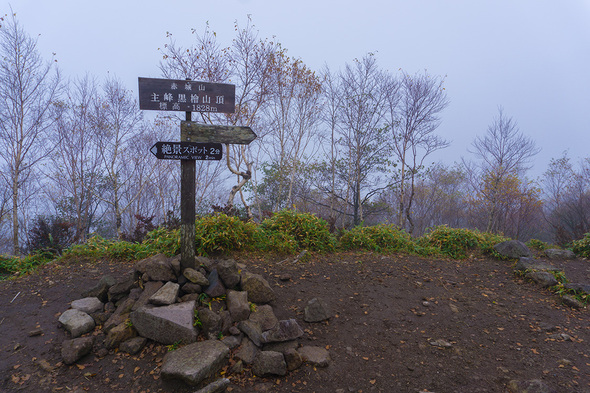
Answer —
219 302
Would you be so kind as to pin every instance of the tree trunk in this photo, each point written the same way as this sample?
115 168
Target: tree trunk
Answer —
15 243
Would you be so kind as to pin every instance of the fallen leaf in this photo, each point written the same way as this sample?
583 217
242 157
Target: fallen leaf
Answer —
136 369
372 381
80 366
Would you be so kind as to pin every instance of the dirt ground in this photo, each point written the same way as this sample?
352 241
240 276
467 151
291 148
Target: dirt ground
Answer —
401 324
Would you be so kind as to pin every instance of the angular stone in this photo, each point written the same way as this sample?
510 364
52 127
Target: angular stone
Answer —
157 267
237 304
190 287
292 359
196 277
218 386
190 297
259 291
165 295
175 263
524 264
74 350
247 352
265 316
282 347
101 289
544 279
76 322
316 356
215 287
210 323
229 272
555 253
120 315
122 287
118 334
166 324
195 362
571 301
133 345
317 310
89 305
513 249
205 263
252 330
232 341
285 330
149 289
269 363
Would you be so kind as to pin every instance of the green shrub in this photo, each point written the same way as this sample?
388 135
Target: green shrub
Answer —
10 265
487 241
582 247
452 242
160 240
276 242
376 238
538 245
221 233
308 231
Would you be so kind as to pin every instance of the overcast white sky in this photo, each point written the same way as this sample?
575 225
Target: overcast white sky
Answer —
530 56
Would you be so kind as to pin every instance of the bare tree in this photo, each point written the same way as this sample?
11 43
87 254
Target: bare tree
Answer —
503 152
29 88
413 121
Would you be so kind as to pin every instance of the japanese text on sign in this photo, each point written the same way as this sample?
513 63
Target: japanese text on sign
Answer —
188 96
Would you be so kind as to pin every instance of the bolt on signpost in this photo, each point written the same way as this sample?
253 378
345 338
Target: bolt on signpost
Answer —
197 141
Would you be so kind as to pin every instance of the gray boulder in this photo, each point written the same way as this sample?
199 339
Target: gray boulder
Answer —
259 291
584 288
316 356
118 334
157 267
122 287
292 359
531 386
120 315
218 386
265 316
195 362
247 352
317 310
149 289
237 304
88 304
190 288
513 249
544 279
229 272
76 322
133 345
252 330
555 253
165 295
285 330
73 350
269 363
166 324
216 287
196 277
525 263
101 289
211 323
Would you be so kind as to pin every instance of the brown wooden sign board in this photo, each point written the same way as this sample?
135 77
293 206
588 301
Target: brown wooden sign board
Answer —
186 96
194 132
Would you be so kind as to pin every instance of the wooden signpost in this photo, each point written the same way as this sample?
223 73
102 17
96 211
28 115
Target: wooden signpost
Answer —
197 141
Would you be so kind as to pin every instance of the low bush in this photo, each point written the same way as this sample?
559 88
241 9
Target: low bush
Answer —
309 232
538 245
581 247
220 233
378 238
451 242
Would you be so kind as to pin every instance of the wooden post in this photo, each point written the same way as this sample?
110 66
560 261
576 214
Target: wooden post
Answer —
187 210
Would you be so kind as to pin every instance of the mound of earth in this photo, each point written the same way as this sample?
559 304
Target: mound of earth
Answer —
400 324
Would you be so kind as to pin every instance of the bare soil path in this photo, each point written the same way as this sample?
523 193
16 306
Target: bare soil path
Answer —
401 324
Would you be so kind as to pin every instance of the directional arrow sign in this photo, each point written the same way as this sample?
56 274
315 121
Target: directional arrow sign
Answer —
187 151
219 134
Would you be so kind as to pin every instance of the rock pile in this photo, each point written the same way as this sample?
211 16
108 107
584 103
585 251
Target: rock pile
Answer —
220 302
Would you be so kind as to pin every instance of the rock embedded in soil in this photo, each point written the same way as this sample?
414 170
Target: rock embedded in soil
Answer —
76 322
572 302
317 310
555 253
118 334
133 345
525 264
531 386
513 249
544 279
74 350
269 363
88 305
215 387
166 324
316 356
195 362
293 359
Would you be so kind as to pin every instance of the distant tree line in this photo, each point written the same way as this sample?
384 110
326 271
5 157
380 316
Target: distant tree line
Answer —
351 145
